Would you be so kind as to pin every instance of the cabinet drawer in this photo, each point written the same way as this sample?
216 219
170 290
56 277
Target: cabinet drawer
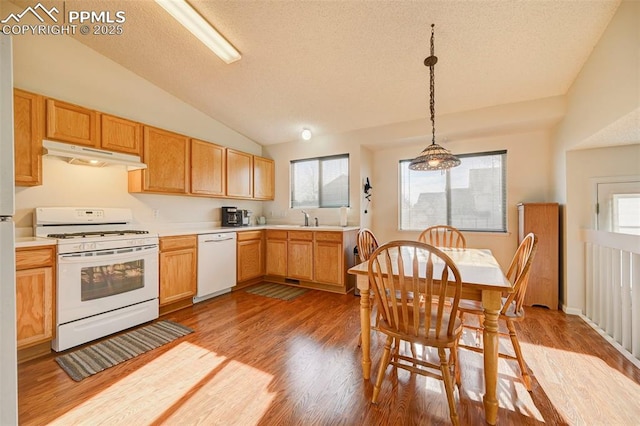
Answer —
329 236
175 243
249 235
301 235
276 235
34 258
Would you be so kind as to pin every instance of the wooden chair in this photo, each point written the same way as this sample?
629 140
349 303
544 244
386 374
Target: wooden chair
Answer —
443 236
405 317
512 310
367 244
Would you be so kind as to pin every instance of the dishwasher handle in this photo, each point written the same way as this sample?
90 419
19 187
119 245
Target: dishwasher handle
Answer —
217 238
216 241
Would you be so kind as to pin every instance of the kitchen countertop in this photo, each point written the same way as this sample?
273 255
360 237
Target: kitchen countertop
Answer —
213 230
170 232
34 242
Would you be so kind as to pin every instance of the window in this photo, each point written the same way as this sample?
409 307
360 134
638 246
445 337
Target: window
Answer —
320 182
470 197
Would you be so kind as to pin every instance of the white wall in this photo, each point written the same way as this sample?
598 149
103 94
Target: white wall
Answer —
583 167
65 69
279 210
528 180
605 93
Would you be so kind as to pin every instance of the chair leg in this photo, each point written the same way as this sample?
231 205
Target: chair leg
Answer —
456 365
448 385
384 362
516 347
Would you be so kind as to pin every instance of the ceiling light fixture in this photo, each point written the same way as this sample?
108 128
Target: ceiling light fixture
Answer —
199 27
433 157
306 134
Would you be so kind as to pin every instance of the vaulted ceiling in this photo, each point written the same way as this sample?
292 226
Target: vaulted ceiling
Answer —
338 66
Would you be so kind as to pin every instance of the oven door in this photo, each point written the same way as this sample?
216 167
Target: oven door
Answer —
95 282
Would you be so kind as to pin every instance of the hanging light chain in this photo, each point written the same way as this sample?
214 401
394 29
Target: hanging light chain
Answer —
431 62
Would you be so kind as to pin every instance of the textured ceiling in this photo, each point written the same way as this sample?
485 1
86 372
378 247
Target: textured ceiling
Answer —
338 66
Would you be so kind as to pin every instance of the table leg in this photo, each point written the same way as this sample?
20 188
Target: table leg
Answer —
491 303
365 324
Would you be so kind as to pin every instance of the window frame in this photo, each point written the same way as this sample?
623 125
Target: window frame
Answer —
447 190
320 181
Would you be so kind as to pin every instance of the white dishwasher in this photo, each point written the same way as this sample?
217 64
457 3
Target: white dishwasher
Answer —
216 264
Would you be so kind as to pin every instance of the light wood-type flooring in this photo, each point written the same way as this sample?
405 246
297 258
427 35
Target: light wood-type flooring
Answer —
254 360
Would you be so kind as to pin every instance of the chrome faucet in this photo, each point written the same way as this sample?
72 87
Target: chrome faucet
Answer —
306 218
316 219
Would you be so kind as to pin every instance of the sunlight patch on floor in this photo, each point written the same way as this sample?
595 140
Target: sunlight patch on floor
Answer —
574 383
187 380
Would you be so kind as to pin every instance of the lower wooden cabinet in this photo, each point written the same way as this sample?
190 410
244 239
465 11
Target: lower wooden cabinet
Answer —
35 296
250 258
276 257
178 272
300 255
329 258
311 259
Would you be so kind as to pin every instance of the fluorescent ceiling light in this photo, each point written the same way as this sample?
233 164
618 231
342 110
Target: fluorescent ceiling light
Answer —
199 27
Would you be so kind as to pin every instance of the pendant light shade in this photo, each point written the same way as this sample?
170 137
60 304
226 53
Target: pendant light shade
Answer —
433 157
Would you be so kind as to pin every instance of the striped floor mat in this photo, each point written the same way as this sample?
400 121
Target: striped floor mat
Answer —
277 291
93 359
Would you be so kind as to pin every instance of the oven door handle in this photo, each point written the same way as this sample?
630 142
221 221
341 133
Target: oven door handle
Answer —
108 255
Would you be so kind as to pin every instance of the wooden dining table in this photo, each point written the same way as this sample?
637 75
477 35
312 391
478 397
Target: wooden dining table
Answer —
483 280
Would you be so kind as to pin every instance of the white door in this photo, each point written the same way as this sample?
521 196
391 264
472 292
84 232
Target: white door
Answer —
619 207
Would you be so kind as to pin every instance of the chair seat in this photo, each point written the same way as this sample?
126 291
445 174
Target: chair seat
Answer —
410 333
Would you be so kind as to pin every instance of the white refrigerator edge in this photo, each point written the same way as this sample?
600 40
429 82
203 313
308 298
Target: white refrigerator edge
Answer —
8 355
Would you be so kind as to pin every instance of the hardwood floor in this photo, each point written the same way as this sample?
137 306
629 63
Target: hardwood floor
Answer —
260 361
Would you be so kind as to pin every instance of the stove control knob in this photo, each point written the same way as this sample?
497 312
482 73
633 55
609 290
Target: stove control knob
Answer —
142 241
90 246
131 242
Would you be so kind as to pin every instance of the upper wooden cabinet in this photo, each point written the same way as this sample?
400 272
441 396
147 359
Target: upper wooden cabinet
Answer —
239 174
72 123
120 135
208 168
28 129
167 157
263 178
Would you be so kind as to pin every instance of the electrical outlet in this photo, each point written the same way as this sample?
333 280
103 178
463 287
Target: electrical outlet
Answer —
156 214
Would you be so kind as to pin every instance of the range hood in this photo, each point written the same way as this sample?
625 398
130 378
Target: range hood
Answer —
85 155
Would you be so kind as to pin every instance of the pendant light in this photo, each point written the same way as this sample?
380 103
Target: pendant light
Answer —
433 157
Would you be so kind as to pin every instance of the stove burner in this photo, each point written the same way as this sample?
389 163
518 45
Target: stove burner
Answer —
95 234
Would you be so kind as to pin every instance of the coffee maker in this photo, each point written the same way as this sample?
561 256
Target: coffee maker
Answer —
231 217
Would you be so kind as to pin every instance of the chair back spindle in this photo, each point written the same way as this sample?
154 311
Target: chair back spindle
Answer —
443 236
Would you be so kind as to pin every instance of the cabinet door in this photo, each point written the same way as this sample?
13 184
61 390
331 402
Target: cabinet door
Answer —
329 258
34 306
300 259
120 135
208 162
167 157
250 258
239 174
263 178
177 275
28 129
72 123
276 257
